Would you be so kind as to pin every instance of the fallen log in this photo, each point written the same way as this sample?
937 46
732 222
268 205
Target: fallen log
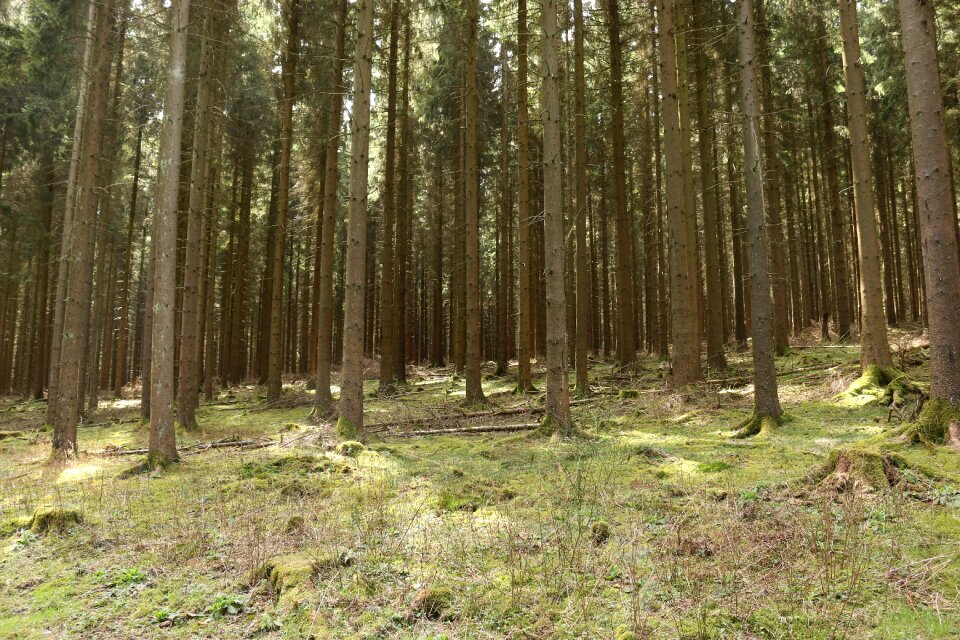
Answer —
200 446
493 428
458 417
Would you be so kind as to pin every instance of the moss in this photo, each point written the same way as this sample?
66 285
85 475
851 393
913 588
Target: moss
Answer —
714 467
934 423
11 526
297 464
626 394
431 603
599 532
294 524
346 429
350 448
756 425
624 632
54 519
858 469
10 435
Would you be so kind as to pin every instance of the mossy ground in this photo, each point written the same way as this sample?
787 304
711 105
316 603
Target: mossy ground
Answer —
700 535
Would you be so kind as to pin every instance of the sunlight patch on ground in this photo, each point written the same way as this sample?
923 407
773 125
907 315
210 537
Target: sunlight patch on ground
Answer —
76 474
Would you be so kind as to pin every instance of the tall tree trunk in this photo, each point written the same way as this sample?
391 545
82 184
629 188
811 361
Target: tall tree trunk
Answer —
686 335
580 167
350 423
289 73
404 311
389 336
626 338
830 151
323 404
935 196
77 243
557 417
504 223
713 312
189 386
474 389
120 365
525 315
766 401
163 443
874 348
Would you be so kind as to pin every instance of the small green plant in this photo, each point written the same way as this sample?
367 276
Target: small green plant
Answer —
161 615
227 604
129 577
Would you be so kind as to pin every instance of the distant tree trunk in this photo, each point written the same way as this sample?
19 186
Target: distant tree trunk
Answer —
874 348
389 336
403 310
830 150
504 223
163 443
323 403
46 187
350 423
436 309
580 167
626 338
120 365
686 336
766 401
935 196
778 269
189 385
525 315
713 311
289 73
557 417
474 389
77 240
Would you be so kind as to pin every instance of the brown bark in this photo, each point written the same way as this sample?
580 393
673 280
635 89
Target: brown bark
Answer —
580 212
935 196
874 348
525 315
163 444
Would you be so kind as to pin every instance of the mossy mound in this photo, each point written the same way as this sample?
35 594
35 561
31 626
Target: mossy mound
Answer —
350 448
10 435
46 519
756 425
859 470
471 495
298 464
599 532
432 603
627 394
290 575
11 526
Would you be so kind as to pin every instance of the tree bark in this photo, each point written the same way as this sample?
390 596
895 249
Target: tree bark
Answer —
525 315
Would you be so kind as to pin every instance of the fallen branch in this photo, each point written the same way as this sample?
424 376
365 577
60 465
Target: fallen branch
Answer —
200 446
459 417
493 428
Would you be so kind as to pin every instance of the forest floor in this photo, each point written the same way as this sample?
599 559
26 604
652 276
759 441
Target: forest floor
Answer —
654 524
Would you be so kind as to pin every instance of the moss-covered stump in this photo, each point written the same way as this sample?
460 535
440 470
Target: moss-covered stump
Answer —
862 470
290 575
432 603
884 385
46 519
756 425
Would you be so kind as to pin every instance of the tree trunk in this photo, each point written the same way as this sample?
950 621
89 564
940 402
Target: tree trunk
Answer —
766 401
686 336
580 167
289 72
934 197
557 418
163 443
350 423
525 315
874 348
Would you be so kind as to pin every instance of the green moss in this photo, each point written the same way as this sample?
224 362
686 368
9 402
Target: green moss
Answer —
9 435
859 469
346 429
350 448
431 603
935 418
11 526
599 532
54 519
624 632
756 425
626 394
714 467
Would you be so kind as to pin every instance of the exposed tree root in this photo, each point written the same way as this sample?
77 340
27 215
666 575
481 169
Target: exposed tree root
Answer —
756 425
939 423
888 385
